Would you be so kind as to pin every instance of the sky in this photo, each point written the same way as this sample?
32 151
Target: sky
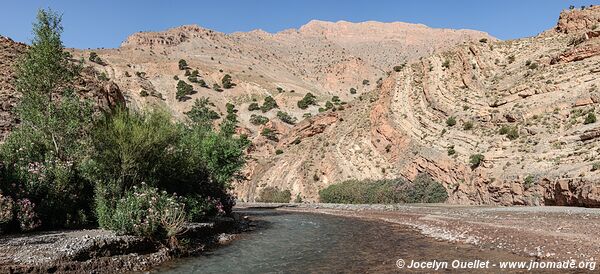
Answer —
105 24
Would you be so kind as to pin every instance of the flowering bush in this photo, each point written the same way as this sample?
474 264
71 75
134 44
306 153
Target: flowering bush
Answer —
146 211
6 210
26 216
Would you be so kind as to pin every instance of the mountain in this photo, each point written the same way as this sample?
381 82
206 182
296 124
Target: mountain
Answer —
496 122
523 109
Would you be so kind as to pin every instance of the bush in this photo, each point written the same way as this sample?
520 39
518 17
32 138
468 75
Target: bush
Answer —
352 91
451 121
268 104
146 211
253 106
183 90
476 160
365 82
398 68
451 151
96 59
512 133
529 181
278 151
590 118
483 40
468 125
595 166
384 191
216 87
269 134
226 81
425 190
308 100
446 64
258 119
274 195
286 118
131 148
183 65
201 112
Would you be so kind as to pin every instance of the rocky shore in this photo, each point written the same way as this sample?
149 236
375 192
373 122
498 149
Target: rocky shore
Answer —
545 233
102 251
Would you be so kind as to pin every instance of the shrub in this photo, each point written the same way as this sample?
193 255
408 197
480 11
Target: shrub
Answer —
468 125
183 65
278 151
258 119
96 59
384 191
201 112
268 104
352 91
298 199
336 100
512 133
451 121
446 64
226 81
286 118
144 93
183 90
308 100
590 118
269 134
483 40
476 160
595 166
274 195
365 82
398 68
451 151
146 211
529 181
216 87
253 106
425 190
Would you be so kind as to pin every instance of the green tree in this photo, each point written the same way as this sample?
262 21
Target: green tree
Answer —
50 139
268 104
183 64
201 112
309 99
226 81
183 89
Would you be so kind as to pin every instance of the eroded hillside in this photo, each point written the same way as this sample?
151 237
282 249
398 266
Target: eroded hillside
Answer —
524 109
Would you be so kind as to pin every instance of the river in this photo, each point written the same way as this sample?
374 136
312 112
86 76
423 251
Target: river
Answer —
292 242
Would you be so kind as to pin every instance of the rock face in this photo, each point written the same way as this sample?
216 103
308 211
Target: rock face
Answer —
542 87
579 19
522 104
104 94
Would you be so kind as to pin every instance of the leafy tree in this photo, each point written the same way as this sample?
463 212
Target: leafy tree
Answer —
253 106
258 119
226 81
183 89
308 100
476 160
268 104
286 118
42 156
201 112
183 64
269 134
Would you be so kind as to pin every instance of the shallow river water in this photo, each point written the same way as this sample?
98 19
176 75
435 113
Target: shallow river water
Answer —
313 243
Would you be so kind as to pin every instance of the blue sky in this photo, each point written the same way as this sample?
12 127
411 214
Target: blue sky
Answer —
95 24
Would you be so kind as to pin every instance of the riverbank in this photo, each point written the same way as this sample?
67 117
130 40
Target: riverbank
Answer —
552 233
102 251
